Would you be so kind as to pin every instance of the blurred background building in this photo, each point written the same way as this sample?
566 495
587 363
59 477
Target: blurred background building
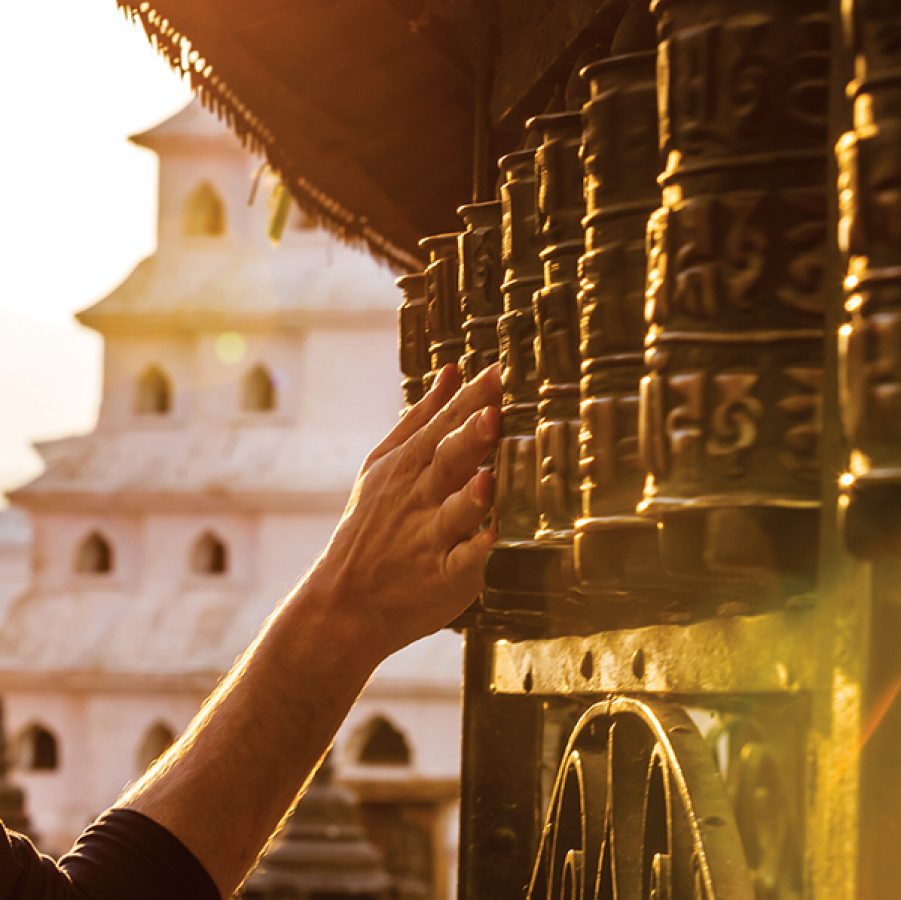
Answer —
143 559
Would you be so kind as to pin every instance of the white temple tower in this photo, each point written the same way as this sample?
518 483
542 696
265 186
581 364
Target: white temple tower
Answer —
243 384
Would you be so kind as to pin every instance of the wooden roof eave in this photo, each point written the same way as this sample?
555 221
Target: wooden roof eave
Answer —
382 116
359 209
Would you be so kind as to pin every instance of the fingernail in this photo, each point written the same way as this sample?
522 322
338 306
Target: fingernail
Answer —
484 488
443 374
487 423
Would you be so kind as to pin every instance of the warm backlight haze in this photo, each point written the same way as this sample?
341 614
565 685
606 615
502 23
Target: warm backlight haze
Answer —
78 205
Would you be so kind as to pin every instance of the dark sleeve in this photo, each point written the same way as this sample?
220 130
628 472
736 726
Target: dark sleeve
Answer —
123 854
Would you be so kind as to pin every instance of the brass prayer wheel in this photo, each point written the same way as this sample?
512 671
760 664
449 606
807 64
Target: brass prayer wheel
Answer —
514 576
731 405
515 500
444 318
413 343
614 547
561 206
479 251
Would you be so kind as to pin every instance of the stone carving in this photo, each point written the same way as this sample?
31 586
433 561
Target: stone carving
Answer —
735 294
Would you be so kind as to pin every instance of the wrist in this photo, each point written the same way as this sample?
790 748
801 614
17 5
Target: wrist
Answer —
325 610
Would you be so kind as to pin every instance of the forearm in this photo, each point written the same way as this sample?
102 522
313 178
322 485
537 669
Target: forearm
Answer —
225 785
406 558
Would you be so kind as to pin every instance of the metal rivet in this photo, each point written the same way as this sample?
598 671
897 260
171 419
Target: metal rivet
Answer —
503 839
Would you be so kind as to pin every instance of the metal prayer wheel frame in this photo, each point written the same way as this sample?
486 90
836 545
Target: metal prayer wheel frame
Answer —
682 678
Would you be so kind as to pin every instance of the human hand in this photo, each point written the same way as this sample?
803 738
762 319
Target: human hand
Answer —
407 556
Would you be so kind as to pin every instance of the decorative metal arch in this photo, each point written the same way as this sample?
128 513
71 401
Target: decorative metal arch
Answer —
638 810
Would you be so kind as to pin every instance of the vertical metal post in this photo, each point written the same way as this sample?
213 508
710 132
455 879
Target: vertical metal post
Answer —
869 235
501 779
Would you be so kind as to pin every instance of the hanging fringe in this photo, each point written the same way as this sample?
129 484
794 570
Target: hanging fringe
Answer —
255 136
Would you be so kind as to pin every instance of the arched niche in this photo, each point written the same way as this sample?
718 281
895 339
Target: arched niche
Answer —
38 750
209 555
156 741
153 395
381 743
204 212
258 392
94 555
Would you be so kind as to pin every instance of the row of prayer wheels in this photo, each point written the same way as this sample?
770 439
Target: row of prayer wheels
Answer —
654 280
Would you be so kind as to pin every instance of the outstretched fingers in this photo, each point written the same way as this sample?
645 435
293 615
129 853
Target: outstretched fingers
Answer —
460 453
443 388
465 565
463 511
484 390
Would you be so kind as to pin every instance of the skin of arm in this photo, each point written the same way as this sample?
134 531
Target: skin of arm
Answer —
405 559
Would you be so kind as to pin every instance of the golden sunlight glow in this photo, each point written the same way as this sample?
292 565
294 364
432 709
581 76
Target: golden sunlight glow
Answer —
858 463
79 205
231 347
